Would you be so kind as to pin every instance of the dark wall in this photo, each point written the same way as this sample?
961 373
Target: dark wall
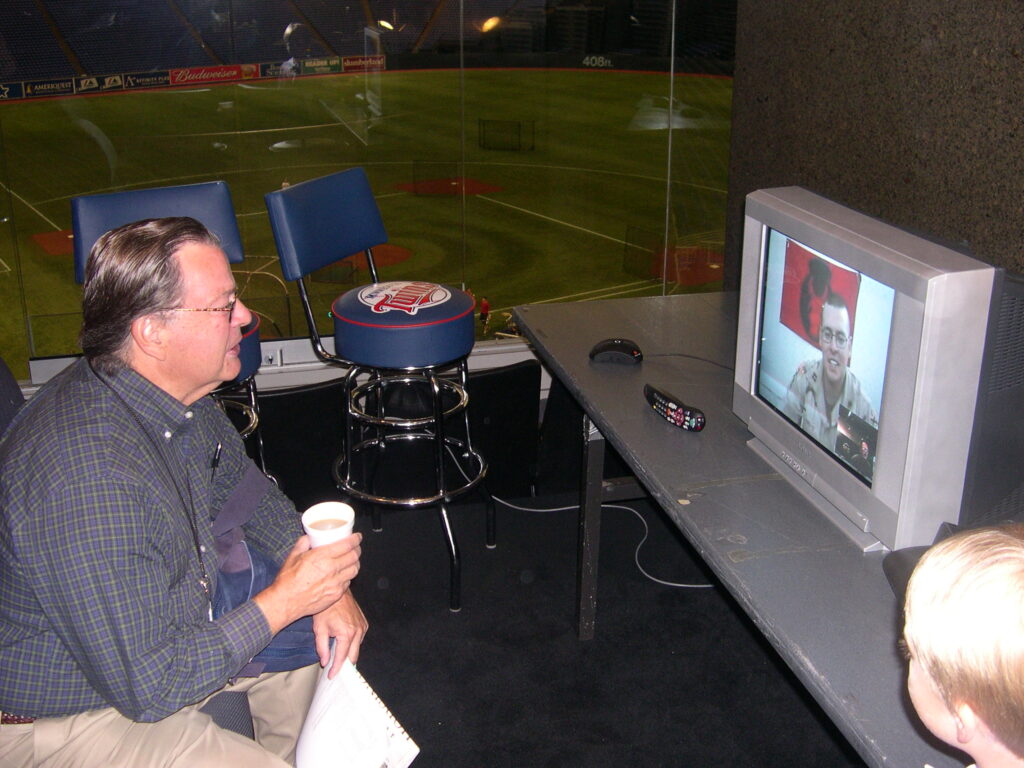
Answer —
908 110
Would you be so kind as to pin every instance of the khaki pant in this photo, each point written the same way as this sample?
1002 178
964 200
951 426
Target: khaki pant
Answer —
104 738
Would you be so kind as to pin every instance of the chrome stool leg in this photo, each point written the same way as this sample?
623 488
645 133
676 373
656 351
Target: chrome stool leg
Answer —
455 562
374 422
376 513
440 446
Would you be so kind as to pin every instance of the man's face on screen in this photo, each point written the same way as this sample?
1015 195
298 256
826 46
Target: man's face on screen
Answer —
835 341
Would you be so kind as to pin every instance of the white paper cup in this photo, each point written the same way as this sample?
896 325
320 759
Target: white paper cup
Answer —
328 522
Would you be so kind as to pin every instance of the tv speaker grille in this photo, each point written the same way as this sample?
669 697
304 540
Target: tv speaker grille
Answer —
1009 509
1007 370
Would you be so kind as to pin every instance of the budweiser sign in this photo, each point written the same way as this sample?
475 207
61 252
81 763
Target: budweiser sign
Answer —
194 75
404 296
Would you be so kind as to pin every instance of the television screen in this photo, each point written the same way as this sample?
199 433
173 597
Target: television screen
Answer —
823 349
876 368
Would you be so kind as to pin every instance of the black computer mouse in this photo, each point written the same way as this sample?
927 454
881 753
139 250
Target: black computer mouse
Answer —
616 350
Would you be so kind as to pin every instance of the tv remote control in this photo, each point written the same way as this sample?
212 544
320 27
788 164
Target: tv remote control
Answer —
673 410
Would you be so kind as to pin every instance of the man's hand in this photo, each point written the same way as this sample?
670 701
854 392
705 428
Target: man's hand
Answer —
345 622
310 580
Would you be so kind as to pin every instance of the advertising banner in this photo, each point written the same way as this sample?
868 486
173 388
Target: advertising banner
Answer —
10 91
97 84
325 66
364 63
38 88
218 74
147 79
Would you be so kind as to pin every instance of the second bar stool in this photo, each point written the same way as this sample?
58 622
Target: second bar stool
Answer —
396 339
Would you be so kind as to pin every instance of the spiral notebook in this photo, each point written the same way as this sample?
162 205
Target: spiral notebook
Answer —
349 725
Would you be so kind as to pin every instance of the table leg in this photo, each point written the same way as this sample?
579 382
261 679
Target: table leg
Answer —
589 529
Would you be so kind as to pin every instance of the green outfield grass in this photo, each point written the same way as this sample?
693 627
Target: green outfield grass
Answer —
555 228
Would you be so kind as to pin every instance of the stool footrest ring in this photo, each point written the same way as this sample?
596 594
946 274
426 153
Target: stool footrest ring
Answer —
360 394
247 410
471 480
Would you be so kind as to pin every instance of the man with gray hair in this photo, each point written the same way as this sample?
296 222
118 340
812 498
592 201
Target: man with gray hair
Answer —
111 481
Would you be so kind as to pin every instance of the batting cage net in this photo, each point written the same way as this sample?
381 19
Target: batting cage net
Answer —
513 135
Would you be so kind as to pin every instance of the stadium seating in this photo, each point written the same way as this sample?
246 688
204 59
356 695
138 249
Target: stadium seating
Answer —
110 38
29 51
50 39
254 30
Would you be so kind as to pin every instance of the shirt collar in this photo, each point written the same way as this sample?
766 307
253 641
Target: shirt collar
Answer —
160 412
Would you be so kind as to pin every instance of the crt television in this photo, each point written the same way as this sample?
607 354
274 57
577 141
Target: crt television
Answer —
878 371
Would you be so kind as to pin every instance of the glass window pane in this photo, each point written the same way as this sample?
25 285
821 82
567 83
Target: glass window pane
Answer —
525 151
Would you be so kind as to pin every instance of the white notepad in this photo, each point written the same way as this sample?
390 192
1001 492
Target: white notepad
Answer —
349 725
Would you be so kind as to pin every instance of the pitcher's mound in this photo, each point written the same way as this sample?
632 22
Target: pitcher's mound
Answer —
57 243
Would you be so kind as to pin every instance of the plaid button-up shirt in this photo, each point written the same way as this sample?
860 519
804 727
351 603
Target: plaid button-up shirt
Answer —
101 603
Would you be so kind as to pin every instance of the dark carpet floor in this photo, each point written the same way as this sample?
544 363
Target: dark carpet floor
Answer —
674 677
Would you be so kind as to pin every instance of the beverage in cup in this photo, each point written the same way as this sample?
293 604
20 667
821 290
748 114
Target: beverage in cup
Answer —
328 522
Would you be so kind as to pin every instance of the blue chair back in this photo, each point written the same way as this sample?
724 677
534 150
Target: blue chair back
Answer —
249 353
208 202
324 220
11 398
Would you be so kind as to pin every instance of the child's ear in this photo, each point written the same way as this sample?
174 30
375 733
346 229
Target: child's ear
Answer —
967 723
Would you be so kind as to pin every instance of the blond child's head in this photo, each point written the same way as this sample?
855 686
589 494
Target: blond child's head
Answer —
965 635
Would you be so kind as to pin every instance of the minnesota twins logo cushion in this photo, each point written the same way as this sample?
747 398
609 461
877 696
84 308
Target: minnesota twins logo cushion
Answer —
403 324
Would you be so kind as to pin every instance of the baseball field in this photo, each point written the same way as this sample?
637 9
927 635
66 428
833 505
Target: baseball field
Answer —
520 185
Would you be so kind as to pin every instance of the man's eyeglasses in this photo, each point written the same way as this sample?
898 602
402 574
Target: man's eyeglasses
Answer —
840 337
229 308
